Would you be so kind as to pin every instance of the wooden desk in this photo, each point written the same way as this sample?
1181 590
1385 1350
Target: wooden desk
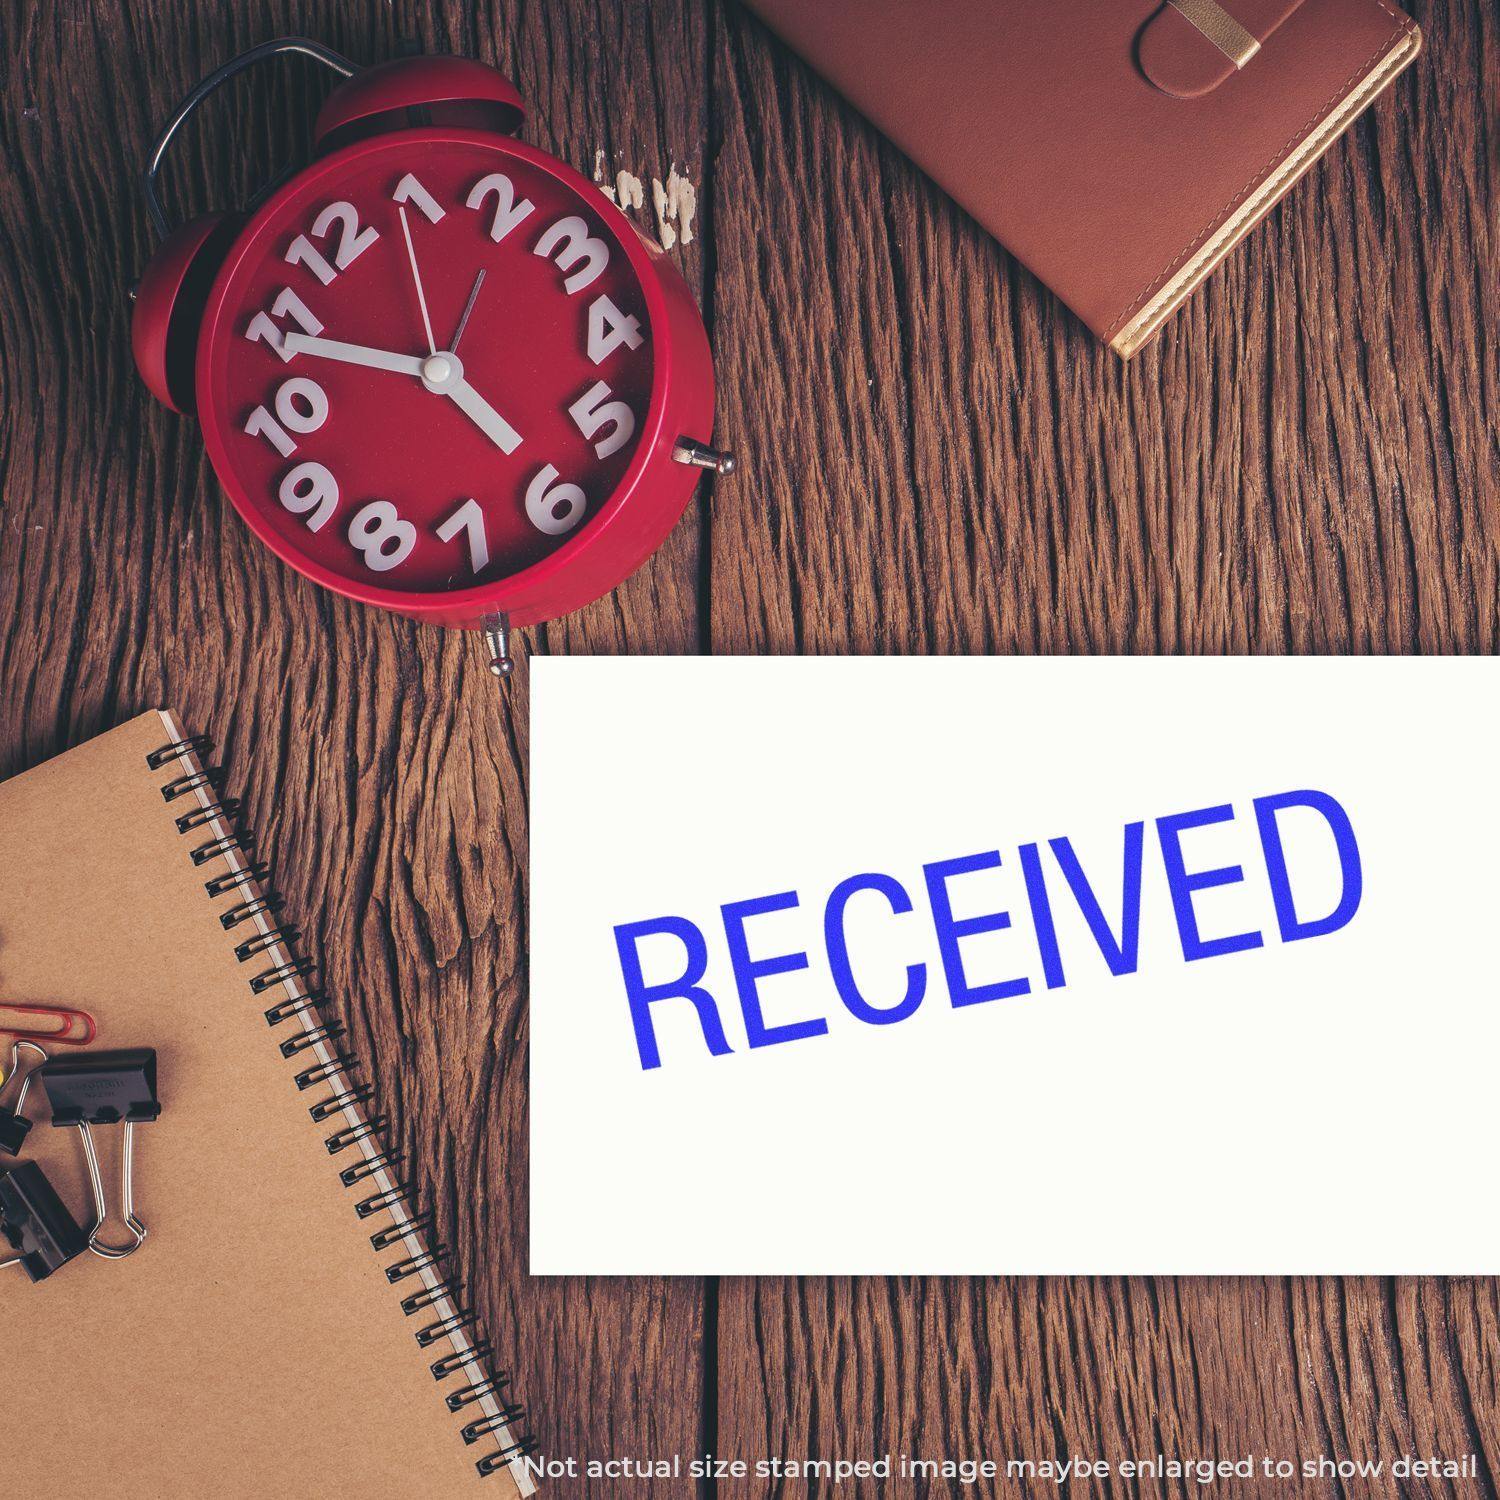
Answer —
935 458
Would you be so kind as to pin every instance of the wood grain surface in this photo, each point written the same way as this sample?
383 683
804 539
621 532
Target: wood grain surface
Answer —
935 457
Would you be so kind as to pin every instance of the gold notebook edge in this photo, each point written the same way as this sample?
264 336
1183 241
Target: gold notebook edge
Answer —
415 1240
1143 327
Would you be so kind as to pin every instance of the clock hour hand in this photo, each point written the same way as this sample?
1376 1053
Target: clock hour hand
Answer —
353 354
443 374
484 416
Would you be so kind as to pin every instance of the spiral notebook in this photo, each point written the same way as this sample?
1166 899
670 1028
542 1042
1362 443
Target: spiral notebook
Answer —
287 1329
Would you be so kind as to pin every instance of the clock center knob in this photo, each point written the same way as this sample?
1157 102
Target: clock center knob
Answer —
439 369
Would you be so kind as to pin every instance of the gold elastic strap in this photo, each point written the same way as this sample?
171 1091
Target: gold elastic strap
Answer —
1220 28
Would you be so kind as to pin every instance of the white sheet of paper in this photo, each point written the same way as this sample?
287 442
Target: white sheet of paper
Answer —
1319 1104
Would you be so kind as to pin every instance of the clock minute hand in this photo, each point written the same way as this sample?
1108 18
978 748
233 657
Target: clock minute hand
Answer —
440 373
353 354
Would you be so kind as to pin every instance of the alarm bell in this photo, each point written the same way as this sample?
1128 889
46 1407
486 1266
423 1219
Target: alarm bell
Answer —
169 302
447 90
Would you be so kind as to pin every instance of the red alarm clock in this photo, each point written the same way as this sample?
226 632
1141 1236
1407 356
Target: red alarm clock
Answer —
437 369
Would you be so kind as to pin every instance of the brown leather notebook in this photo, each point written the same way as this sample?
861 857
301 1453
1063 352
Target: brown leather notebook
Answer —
1118 148
258 1343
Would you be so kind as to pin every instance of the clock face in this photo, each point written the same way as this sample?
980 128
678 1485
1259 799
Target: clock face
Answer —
428 364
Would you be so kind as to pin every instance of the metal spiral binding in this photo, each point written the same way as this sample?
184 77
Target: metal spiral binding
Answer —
449 1287
506 1416
255 907
297 1006
197 744
336 1104
184 786
367 1208
384 1239
382 1159
341 1062
351 1135
488 1385
434 1332
414 1265
465 1359
226 810
205 852
298 969
286 936
236 880
470 1359
330 1032
519 1447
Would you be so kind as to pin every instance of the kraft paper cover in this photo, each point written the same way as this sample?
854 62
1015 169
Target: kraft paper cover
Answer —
253 1346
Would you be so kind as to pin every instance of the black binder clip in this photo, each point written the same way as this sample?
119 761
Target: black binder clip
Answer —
106 1088
36 1224
14 1126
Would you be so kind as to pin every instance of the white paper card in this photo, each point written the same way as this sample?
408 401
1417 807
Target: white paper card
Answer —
1033 965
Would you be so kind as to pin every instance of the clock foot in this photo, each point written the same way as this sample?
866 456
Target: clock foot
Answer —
497 638
701 456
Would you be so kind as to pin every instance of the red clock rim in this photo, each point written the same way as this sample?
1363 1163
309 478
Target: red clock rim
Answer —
484 598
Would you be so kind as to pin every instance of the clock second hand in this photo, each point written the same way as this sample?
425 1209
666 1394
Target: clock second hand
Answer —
416 276
441 373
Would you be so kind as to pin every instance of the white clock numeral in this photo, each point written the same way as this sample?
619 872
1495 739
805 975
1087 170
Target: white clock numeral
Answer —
262 424
303 252
551 507
353 242
508 213
287 305
310 487
567 243
594 410
384 538
610 329
469 518
409 190
300 404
